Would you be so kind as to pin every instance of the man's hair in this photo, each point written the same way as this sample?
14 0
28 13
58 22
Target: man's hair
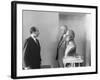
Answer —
33 29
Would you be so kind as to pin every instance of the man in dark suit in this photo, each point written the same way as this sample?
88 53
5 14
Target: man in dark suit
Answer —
32 56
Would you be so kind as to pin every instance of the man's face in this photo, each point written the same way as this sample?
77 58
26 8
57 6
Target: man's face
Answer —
36 33
63 29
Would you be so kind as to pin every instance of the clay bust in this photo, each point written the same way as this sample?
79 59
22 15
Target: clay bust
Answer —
70 49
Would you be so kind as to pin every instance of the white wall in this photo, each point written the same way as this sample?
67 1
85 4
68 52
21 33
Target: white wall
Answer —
47 23
80 24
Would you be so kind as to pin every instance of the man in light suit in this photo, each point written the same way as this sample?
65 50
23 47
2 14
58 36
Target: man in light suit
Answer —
60 53
32 56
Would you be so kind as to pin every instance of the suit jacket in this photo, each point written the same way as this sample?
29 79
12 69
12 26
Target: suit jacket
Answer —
32 54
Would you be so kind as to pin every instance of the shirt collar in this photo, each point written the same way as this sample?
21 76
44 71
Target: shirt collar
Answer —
33 37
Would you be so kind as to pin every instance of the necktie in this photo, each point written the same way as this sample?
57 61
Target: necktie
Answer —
36 41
